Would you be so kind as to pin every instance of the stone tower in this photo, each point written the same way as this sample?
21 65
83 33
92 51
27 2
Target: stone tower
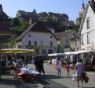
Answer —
82 10
78 20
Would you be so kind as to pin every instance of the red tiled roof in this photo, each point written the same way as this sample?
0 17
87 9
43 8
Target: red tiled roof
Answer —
64 34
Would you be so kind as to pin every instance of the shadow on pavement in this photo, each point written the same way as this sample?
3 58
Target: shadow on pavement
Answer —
45 80
53 77
42 79
11 82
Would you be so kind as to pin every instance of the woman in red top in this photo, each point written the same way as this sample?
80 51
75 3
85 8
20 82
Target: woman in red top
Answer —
68 69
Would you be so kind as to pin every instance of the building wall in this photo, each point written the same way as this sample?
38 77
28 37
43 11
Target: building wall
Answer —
65 40
39 37
90 31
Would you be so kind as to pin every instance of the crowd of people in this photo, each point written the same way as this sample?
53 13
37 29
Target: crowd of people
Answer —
14 63
9 63
77 67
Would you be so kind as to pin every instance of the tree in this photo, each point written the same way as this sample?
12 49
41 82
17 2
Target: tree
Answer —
15 22
23 26
18 26
53 22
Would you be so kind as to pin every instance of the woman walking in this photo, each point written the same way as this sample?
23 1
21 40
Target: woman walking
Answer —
79 69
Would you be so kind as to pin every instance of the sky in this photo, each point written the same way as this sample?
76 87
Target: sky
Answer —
69 7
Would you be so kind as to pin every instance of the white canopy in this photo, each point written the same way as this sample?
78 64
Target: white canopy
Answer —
55 54
77 52
70 53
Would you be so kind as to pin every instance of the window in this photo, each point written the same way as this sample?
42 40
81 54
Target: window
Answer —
82 42
51 43
66 46
35 43
43 51
88 23
88 39
29 43
29 35
50 51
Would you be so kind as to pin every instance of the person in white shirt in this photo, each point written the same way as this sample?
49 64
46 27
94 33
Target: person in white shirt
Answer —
58 67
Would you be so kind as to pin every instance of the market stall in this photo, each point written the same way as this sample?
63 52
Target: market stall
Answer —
22 72
27 73
16 50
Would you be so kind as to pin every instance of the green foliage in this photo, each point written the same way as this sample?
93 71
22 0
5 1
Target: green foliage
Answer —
77 28
15 22
18 26
23 26
53 22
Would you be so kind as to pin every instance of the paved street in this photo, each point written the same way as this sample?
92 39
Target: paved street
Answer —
50 80
10 82
68 81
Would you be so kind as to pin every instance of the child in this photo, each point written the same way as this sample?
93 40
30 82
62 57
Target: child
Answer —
68 69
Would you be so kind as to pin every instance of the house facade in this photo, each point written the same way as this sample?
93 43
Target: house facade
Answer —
69 40
38 37
88 27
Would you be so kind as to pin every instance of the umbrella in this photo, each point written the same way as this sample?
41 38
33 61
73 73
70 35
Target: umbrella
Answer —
16 50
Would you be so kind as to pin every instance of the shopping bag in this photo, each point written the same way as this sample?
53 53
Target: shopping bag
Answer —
74 76
86 79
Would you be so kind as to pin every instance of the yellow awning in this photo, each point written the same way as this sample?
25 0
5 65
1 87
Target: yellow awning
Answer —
16 50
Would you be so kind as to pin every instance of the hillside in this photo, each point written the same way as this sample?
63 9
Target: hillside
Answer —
58 21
